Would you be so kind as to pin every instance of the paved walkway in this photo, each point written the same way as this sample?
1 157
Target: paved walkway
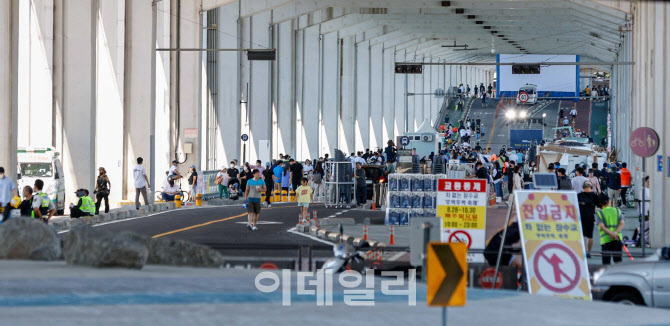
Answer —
33 293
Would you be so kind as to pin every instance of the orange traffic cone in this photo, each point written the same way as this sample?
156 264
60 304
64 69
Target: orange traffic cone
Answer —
300 217
316 222
392 237
365 232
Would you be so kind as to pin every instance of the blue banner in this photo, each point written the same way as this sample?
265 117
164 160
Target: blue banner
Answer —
522 138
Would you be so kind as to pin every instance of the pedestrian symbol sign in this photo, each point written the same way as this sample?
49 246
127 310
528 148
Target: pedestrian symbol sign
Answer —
552 242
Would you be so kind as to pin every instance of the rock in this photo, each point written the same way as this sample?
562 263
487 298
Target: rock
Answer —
88 246
28 238
166 251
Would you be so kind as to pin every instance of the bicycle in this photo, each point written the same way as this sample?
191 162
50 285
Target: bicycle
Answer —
184 196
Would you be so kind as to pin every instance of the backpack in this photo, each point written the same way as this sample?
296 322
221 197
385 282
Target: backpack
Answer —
317 178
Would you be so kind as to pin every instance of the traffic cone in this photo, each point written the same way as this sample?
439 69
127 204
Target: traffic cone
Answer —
316 222
300 217
374 201
392 237
365 232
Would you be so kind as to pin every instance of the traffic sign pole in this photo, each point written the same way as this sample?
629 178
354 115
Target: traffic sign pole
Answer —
444 316
502 242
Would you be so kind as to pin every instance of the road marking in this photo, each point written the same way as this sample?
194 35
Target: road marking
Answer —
262 222
200 225
139 217
396 256
292 230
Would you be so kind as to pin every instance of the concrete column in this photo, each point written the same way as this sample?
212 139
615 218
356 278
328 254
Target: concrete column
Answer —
299 73
109 142
79 93
330 99
284 134
9 32
388 98
260 108
311 109
35 72
376 117
163 149
228 110
362 96
347 89
398 97
434 84
418 99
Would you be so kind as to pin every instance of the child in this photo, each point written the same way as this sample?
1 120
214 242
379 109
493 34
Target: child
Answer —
304 193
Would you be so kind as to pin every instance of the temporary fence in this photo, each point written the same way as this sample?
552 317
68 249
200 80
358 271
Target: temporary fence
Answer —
340 184
206 185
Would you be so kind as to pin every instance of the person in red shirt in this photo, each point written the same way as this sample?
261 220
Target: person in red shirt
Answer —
625 182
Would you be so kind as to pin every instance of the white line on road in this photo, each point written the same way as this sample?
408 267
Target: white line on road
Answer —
292 230
396 256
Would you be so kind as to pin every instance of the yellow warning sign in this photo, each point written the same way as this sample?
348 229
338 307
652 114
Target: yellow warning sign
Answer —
446 274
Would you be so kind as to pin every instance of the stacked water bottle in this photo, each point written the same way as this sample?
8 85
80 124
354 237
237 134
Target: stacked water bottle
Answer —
411 195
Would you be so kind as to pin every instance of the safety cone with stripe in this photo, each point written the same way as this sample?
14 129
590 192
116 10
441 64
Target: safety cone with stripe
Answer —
316 221
365 232
392 237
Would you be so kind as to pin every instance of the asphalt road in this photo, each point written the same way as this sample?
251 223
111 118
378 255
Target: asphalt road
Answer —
224 229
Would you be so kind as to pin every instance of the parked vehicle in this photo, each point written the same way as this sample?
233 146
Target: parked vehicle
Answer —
345 258
44 164
637 283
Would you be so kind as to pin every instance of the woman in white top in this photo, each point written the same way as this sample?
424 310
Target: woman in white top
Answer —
518 180
223 184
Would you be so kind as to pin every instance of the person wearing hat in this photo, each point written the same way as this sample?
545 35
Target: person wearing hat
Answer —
102 189
268 175
587 210
192 182
219 180
173 174
83 207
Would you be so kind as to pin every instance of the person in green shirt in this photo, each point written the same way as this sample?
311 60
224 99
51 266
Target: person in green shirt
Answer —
610 221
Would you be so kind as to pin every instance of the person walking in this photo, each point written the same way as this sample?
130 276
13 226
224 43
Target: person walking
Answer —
610 222
563 180
268 176
587 210
305 196
518 180
625 183
252 195
496 175
614 186
361 196
579 180
296 173
141 183
102 188
245 176
7 192
595 182
318 181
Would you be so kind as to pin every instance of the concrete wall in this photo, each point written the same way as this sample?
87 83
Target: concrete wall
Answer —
9 36
645 84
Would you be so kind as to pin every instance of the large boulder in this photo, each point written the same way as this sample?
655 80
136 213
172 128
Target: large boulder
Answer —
166 251
28 238
88 246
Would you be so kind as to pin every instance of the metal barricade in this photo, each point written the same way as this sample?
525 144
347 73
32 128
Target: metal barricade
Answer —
339 184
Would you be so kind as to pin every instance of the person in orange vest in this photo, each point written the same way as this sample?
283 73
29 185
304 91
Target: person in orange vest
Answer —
625 183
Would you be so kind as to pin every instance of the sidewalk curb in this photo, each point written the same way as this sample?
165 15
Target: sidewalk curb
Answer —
122 214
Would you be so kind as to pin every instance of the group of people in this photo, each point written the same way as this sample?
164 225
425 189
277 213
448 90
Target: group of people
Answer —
595 92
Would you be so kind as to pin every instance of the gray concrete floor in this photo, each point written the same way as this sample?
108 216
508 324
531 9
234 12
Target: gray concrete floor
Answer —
53 293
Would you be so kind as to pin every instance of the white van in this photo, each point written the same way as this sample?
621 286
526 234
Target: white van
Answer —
44 164
527 94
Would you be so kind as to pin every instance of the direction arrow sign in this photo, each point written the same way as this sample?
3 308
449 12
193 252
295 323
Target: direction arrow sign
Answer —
446 275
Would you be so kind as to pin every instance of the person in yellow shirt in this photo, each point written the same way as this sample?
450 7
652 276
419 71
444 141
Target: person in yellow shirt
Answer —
304 193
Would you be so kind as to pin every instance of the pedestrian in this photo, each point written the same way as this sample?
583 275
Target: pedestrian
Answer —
7 192
484 99
245 176
359 174
169 191
141 183
218 179
610 222
286 179
268 176
566 122
595 182
305 196
625 183
573 114
296 173
26 206
252 195
587 210
307 169
496 175
476 89
510 177
578 181
84 205
614 186
277 177
483 130
518 179
259 166
563 180
43 208
174 173
102 188
192 182
318 185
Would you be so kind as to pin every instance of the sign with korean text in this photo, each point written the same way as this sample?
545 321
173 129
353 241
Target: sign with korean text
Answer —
461 203
553 247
